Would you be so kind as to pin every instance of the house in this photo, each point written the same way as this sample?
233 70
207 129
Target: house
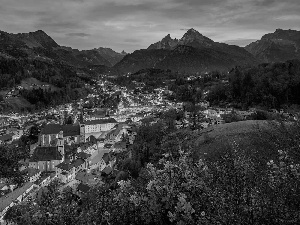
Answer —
244 114
97 162
67 170
46 158
68 132
211 113
87 178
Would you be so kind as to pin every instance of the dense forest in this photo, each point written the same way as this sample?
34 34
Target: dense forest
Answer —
271 85
68 85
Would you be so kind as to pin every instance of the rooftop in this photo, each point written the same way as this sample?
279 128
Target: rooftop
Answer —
51 129
68 129
45 154
99 156
100 121
71 130
67 166
83 155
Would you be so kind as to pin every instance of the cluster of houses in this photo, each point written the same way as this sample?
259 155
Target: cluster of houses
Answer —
10 134
71 153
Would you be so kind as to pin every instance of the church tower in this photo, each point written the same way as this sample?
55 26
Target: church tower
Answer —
82 128
60 145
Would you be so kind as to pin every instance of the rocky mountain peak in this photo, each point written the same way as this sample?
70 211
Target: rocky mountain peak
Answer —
193 35
166 43
37 39
281 45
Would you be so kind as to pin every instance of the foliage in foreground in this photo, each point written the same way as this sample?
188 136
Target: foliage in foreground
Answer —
184 191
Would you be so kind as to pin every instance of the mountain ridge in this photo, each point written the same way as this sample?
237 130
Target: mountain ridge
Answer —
278 46
192 53
39 44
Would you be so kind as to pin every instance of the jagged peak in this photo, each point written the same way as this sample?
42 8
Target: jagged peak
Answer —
39 32
192 30
281 34
194 35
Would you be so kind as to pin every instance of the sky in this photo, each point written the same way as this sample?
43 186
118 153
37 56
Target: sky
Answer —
135 24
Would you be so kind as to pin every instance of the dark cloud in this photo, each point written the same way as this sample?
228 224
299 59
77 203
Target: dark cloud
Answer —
111 10
78 35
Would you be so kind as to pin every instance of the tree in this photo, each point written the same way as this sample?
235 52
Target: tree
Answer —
69 120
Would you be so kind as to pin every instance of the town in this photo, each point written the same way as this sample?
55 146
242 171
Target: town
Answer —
78 143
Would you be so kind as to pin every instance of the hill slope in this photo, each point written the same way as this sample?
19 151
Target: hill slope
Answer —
39 45
110 55
279 46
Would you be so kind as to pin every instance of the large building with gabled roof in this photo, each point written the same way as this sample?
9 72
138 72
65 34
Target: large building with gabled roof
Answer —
46 158
70 133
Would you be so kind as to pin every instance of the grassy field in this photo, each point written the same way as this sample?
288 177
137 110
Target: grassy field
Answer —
250 139
18 103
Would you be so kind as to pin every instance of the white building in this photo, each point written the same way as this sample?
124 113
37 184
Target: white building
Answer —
96 126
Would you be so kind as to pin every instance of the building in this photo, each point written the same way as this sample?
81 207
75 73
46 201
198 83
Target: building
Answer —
97 162
97 126
67 170
69 132
46 158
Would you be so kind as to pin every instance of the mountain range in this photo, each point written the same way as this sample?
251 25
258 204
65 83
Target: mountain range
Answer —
192 53
39 45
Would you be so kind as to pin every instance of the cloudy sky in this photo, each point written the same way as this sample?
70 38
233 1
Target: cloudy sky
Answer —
134 24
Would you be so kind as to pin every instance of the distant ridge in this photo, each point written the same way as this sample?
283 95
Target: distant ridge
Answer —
110 55
279 46
39 45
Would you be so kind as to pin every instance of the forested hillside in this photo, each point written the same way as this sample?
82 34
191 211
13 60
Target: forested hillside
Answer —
68 84
272 85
